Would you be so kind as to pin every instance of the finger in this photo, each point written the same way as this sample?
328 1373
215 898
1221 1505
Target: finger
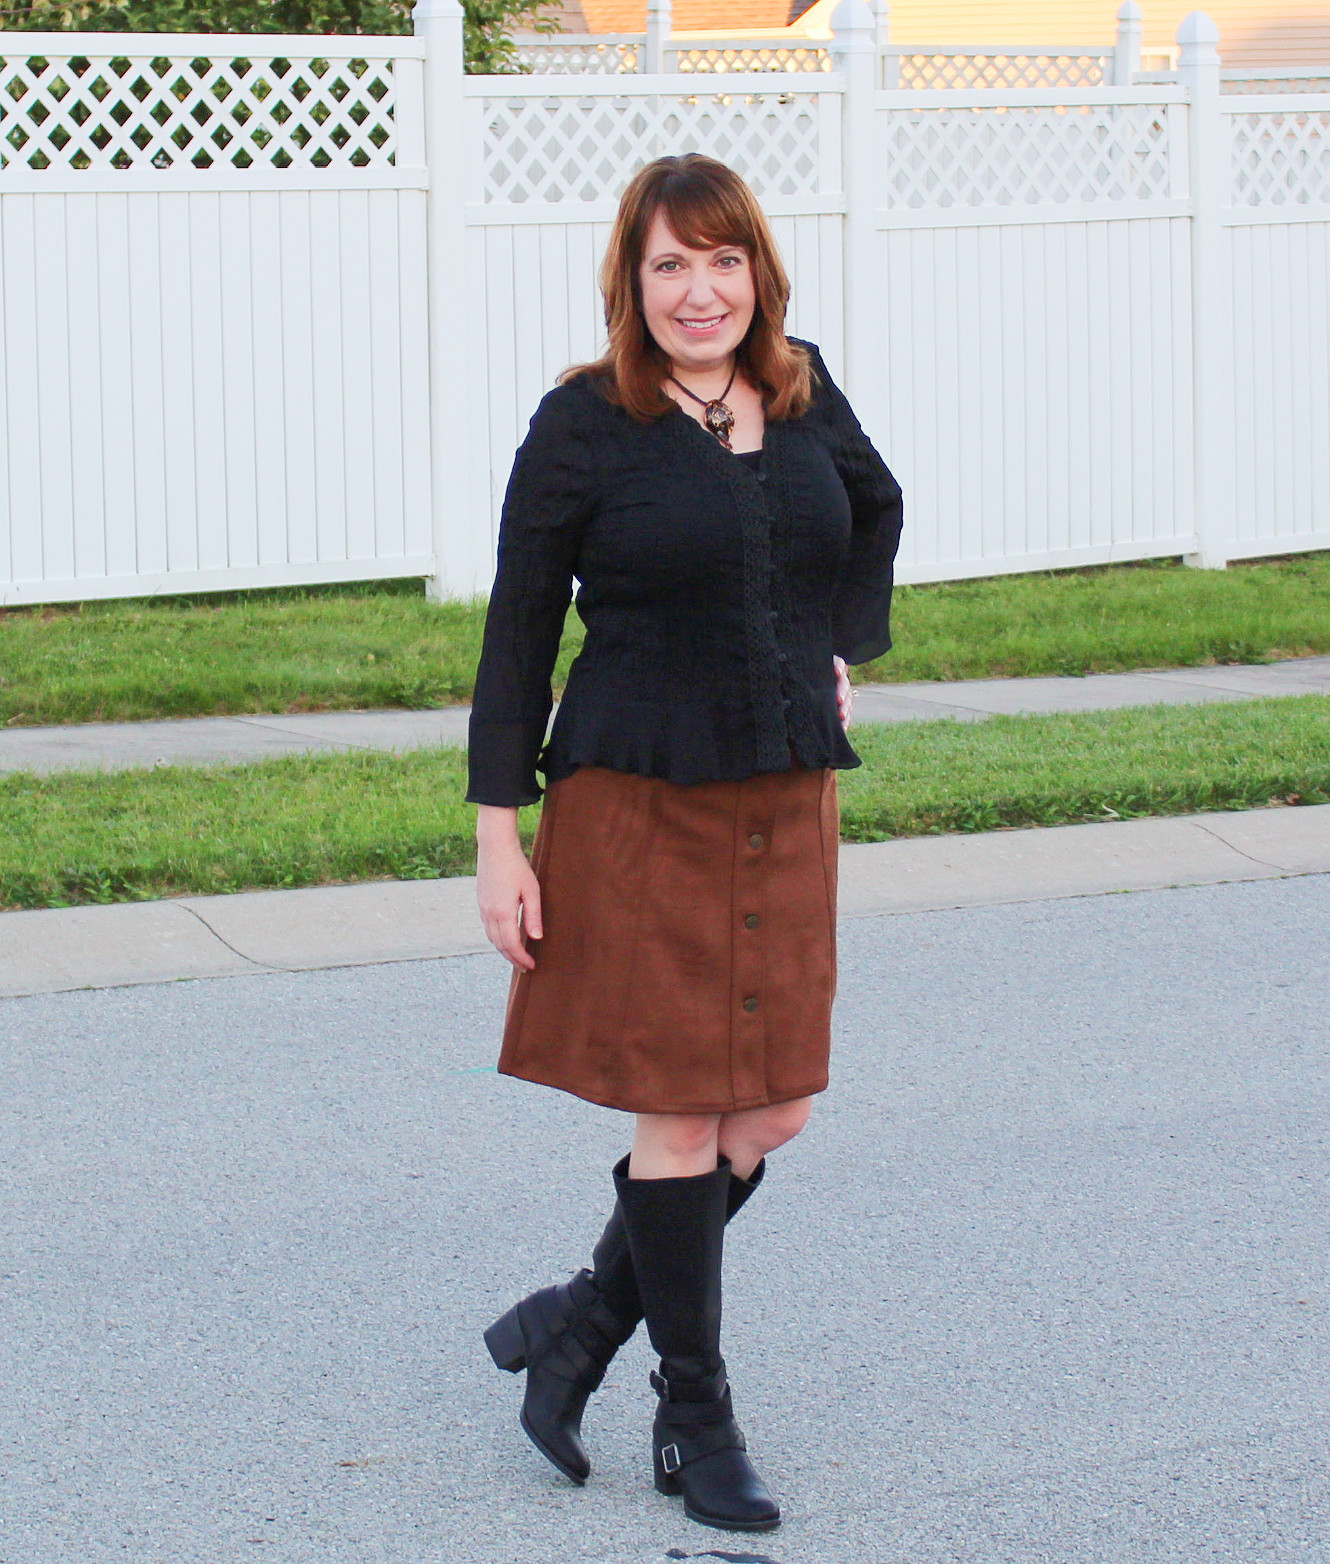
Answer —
510 933
504 934
531 919
494 934
514 949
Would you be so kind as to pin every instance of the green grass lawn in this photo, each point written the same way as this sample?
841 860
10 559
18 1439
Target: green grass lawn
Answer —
1108 619
319 819
385 645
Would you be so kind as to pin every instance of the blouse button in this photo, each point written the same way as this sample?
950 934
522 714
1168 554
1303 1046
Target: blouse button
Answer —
750 1005
786 705
751 921
755 840
782 657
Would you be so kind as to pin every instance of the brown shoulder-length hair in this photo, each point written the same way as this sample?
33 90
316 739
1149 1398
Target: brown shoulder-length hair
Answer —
705 205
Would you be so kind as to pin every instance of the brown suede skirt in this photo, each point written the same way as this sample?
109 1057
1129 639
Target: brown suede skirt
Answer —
688 962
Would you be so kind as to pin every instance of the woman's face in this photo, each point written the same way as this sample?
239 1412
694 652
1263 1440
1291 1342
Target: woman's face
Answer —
698 304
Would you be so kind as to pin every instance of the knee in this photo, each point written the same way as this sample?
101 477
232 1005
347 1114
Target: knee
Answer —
681 1136
763 1129
785 1120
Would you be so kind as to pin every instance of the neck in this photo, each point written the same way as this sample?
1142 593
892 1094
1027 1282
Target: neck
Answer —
695 375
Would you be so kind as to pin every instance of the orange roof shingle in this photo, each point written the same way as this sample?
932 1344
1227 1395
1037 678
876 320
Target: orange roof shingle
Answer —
1252 32
630 16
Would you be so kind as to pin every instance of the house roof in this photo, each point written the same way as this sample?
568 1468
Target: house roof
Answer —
630 16
1252 32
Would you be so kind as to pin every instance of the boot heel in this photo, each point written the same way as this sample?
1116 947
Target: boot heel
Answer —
506 1343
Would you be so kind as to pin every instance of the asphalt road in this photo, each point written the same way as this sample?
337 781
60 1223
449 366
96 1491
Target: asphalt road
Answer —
1045 1280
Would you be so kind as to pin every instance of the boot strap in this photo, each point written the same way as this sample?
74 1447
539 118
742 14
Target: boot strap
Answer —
568 1358
579 1346
702 1392
607 1325
587 1349
697 1443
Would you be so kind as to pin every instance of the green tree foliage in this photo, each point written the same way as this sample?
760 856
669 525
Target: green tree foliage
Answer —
488 32
487 28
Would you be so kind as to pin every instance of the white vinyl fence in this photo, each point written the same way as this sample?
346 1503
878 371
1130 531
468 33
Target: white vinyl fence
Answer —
278 311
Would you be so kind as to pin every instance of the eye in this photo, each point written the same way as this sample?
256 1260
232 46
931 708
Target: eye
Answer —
730 261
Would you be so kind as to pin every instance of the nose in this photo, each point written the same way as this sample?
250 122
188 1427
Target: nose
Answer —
701 291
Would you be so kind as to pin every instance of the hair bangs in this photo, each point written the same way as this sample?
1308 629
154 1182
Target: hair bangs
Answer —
701 214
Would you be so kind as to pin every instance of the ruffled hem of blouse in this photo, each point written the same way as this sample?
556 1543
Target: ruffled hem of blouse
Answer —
684 745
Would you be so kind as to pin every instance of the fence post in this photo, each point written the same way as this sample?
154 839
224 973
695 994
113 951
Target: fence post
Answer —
881 23
854 46
459 528
658 32
1198 71
1127 45
888 65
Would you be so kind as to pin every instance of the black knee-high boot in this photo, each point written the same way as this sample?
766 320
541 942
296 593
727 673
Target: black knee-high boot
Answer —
566 1336
676 1229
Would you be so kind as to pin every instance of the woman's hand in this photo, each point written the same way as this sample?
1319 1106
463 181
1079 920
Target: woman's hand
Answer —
506 886
844 692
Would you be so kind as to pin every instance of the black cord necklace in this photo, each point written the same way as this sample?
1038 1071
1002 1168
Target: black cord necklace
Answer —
718 418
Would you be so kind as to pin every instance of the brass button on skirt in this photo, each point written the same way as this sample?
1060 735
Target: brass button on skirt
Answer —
688 962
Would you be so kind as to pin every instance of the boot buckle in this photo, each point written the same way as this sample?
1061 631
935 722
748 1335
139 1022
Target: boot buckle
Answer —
669 1460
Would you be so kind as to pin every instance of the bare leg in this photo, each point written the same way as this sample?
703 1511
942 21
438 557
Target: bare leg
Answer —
745 1138
674 1145
682 1145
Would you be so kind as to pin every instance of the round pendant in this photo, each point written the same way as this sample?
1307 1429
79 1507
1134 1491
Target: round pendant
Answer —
719 420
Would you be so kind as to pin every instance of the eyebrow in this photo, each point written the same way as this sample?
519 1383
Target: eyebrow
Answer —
678 255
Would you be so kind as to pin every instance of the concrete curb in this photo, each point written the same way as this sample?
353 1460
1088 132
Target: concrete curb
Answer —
414 920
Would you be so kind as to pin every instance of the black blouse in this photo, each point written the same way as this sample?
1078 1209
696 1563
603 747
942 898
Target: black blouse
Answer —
714 591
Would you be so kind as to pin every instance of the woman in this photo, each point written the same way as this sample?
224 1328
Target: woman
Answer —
733 533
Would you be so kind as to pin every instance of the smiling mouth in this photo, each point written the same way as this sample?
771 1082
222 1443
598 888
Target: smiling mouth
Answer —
699 325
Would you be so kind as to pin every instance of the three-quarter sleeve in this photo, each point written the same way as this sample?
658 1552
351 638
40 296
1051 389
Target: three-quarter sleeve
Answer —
550 494
861 604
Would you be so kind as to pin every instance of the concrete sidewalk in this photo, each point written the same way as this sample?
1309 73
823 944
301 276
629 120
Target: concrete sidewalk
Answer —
415 920
197 741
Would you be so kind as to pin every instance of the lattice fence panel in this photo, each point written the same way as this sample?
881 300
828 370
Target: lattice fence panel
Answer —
1281 159
571 149
226 113
936 71
583 58
717 61
1026 156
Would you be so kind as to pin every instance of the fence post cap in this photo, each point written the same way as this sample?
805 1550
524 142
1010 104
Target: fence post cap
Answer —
852 16
1129 11
432 10
1197 29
